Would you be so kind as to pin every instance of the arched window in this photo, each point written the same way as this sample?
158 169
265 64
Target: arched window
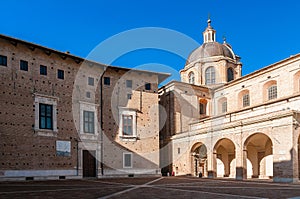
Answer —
191 78
246 100
224 107
210 76
272 92
230 75
202 107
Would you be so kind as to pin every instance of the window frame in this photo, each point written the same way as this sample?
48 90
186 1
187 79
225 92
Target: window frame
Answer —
50 100
191 77
210 75
147 86
44 115
91 81
3 60
124 160
59 73
43 70
106 81
90 122
230 74
23 65
224 106
246 100
133 114
272 92
128 83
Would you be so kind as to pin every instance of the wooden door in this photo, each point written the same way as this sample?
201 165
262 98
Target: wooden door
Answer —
89 163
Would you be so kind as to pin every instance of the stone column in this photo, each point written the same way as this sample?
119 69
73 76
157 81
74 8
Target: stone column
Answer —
241 163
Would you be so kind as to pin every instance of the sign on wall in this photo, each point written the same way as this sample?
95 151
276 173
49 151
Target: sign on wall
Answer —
63 148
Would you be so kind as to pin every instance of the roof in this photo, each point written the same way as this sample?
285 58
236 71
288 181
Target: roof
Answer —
77 59
210 49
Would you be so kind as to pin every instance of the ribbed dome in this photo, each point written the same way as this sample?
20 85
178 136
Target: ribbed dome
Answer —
210 49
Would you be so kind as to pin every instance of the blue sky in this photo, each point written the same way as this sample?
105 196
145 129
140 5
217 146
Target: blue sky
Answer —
261 32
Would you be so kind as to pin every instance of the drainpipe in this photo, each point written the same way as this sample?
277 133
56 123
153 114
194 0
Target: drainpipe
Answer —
101 118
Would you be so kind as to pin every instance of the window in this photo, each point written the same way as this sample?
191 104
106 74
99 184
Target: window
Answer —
88 119
90 81
43 70
224 107
60 74
202 107
107 81
129 83
23 65
45 120
210 76
127 160
246 100
272 92
127 125
88 94
3 60
45 116
191 78
230 75
147 86
129 96
178 150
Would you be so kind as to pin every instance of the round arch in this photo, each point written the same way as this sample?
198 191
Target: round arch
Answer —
224 158
259 148
199 159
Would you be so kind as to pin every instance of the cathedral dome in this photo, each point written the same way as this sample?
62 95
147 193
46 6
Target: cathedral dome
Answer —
210 49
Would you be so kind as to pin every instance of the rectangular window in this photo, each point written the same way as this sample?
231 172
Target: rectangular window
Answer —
23 65
147 86
90 81
106 80
129 96
127 125
246 100
202 107
272 92
127 160
3 60
178 150
60 74
224 107
45 116
129 83
88 122
43 70
88 94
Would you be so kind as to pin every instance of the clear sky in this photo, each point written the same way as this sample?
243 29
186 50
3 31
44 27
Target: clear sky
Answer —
260 31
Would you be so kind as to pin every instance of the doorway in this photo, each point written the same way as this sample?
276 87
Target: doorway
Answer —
89 163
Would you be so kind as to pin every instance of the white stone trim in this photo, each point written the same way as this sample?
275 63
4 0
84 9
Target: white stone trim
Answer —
86 106
132 112
44 99
131 160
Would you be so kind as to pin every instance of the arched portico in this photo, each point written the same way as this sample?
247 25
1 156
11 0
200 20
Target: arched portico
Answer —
259 154
199 159
224 158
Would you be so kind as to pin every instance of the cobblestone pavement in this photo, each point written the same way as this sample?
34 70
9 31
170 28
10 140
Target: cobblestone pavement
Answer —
144 188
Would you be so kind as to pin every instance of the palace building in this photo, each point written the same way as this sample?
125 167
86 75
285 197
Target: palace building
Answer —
222 124
62 116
